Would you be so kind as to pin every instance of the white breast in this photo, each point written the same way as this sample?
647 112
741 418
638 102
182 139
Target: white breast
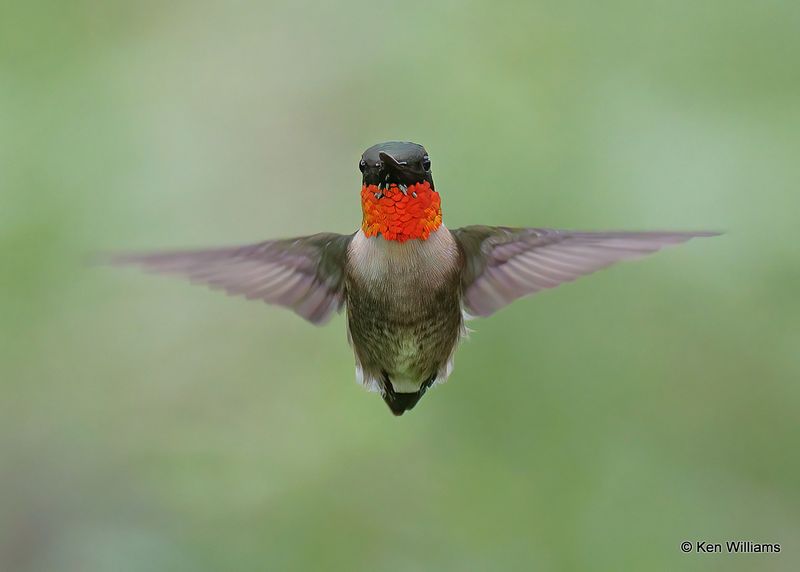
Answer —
374 260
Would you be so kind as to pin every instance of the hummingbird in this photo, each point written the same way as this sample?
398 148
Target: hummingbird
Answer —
406 281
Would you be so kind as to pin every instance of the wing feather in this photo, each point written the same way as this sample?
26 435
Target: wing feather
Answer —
503 264
304 274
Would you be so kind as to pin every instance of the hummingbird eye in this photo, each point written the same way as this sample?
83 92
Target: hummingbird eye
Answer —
426 163
362 165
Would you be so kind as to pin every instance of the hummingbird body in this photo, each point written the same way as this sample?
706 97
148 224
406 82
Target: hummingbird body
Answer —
404 314
406 280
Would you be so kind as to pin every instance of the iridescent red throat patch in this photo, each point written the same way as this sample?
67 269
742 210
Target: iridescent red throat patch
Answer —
399 215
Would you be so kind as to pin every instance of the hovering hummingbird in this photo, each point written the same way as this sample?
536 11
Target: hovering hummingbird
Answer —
407 282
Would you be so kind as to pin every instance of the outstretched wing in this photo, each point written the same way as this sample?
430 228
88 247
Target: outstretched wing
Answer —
503 264
305 274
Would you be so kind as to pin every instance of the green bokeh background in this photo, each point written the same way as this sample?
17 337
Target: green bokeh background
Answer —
149 425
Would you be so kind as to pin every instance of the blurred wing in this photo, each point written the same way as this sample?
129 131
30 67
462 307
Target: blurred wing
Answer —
304 274
503 264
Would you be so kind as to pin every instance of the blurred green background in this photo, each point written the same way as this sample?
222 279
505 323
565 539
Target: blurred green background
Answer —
146 424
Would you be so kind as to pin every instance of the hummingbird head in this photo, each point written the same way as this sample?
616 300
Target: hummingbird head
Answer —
398 199
395 162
